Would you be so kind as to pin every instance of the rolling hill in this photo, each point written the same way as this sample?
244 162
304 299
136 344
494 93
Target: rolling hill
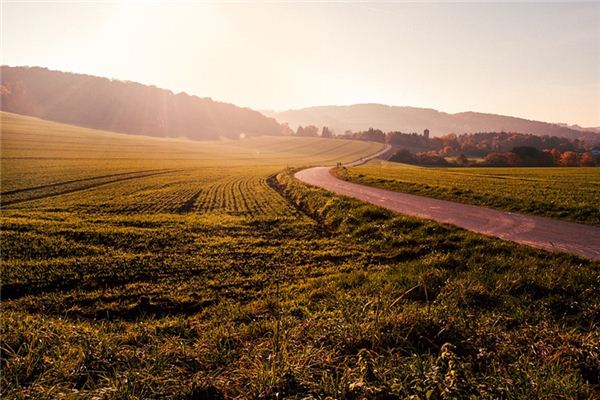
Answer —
125 107
411 119
145 268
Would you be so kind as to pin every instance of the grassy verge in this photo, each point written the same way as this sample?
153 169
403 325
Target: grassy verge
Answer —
564 193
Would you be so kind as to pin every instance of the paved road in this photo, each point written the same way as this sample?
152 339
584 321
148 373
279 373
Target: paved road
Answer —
543 233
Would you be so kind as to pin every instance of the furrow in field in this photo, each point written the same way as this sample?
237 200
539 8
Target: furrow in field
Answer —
82 188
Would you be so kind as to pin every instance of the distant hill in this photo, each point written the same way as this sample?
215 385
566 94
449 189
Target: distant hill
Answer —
126 107
411 119
595 129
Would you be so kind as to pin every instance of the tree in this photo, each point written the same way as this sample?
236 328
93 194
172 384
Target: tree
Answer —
311 130
528 156
525 151
326 132
403 156
447 150
569 159
462 159
431 158
375 135
587 160
500 160
286 130
555 154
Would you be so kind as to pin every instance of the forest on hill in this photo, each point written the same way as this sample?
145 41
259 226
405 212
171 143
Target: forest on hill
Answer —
125 107
498 149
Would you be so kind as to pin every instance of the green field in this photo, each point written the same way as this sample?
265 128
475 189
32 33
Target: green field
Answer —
143 268
559 192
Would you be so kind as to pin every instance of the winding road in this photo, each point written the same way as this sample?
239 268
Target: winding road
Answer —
544 233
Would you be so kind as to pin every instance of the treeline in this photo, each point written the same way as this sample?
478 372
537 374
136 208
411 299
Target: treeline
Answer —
522 156
312 131
473 144
496 149
373 135
481 144
531 157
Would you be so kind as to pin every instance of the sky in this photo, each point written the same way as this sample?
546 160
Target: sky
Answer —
534 60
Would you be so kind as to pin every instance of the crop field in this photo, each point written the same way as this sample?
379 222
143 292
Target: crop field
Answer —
559 192
55 167
141 268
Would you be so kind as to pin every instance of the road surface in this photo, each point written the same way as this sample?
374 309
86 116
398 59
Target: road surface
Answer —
544 233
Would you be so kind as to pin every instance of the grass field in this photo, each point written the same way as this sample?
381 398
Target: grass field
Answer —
564 193
148 268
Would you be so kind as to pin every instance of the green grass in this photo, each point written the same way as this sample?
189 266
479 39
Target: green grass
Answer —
262 287
564 193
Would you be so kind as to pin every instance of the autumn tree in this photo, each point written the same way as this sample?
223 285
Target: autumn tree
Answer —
555 154
587 160
569 159
447 150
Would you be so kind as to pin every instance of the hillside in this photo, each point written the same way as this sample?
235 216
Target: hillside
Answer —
125 107
411 119
36 152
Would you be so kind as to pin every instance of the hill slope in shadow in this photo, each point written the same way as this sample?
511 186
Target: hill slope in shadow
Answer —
125 107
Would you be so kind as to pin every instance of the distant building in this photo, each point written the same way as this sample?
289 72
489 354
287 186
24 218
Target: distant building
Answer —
426 133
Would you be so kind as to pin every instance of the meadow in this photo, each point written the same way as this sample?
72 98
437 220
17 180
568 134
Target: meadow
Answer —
569 193
142 268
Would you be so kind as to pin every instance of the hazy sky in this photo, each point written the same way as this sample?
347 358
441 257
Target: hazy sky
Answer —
539 61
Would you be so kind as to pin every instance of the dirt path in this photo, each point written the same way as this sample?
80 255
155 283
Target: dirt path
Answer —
544 233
